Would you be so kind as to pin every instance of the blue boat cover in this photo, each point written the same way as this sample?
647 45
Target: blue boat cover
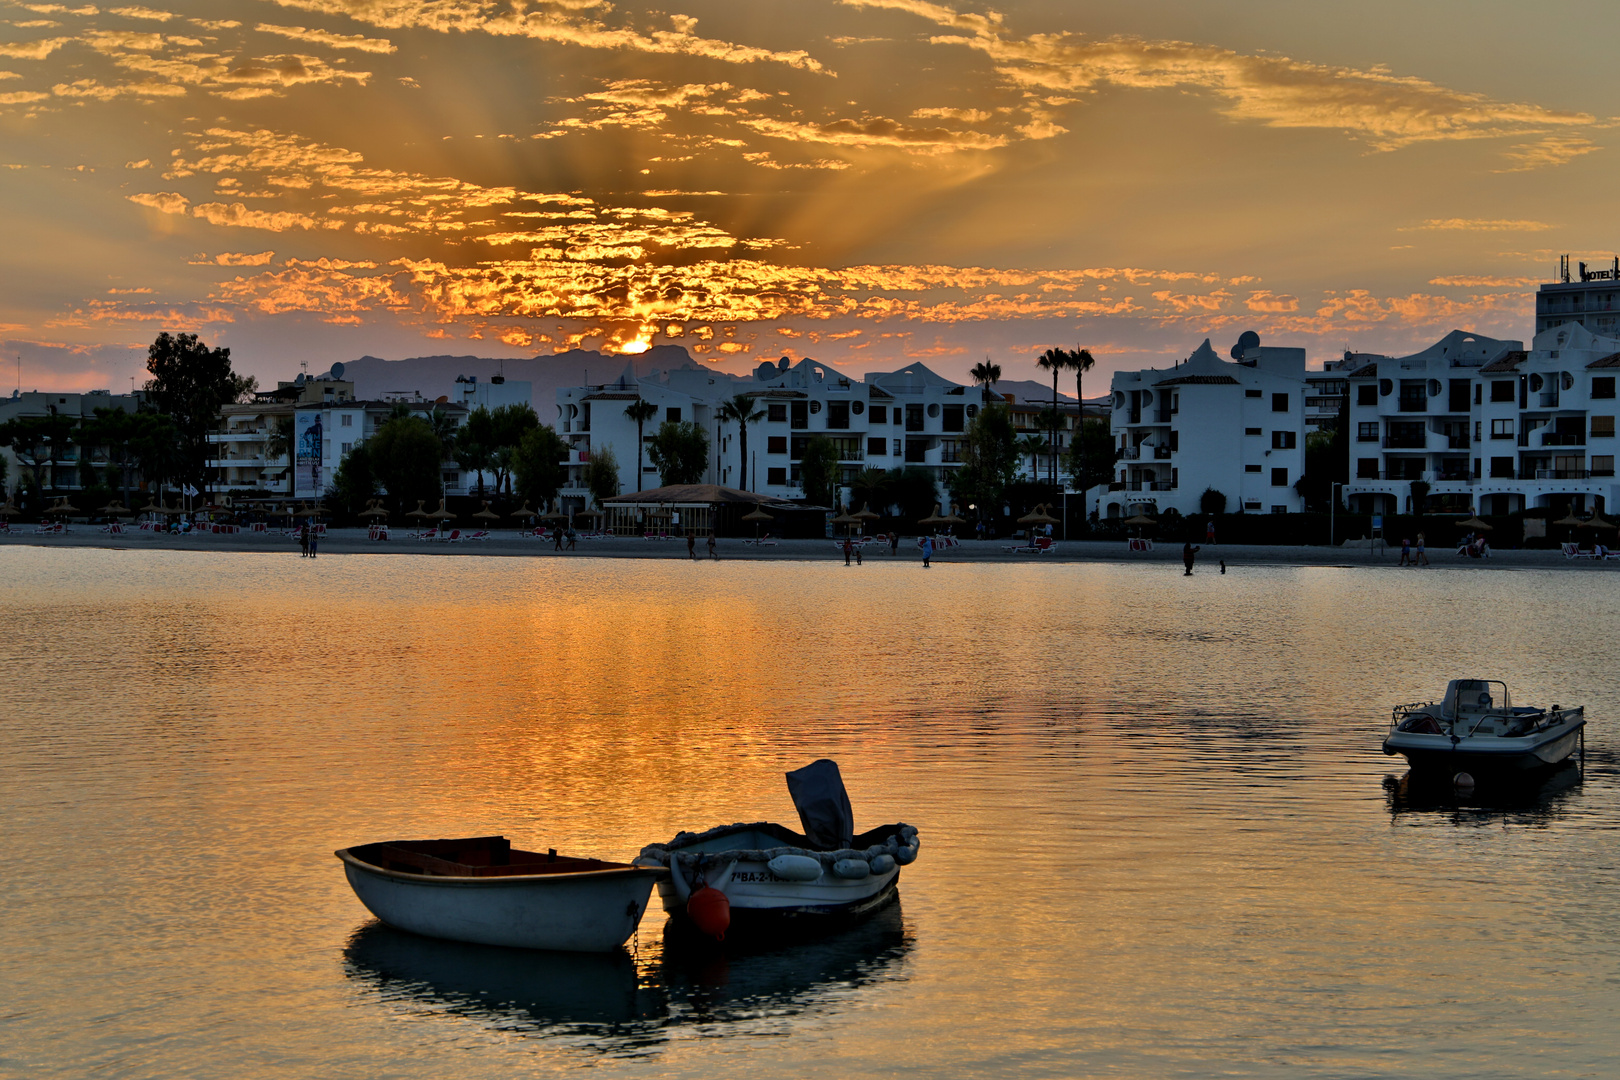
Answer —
823 804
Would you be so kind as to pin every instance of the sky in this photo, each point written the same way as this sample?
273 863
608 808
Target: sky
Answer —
868 182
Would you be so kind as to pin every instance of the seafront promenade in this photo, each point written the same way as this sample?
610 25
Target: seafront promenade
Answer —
511 545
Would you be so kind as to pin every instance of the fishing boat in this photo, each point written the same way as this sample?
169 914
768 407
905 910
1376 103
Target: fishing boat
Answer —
1476 728
763 873
481 889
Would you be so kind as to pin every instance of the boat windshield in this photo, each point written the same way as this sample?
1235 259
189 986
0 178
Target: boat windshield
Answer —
1474 697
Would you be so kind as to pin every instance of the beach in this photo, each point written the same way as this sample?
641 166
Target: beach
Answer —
510 544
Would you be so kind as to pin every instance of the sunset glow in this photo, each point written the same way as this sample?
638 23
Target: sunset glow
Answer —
866 181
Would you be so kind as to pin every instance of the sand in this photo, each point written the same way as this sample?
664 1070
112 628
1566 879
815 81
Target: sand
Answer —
509 544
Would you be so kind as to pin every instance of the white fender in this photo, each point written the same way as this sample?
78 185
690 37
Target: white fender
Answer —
795 867
882 864
683 891
723 878
905 856
853 869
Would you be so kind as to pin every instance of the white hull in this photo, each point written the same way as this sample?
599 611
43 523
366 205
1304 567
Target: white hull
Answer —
594 911
1490 753
754 891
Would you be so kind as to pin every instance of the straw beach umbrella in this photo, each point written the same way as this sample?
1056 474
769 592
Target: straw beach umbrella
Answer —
442 513
418 512
374 509
486 514
757 515
1596 522
1475 524
845 520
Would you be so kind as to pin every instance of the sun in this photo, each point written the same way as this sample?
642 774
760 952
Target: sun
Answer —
635 345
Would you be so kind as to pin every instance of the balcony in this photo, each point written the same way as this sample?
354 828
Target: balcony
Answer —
1162 453
1556 474
1129 453
1147 485
1412 403
1405 442
1554 438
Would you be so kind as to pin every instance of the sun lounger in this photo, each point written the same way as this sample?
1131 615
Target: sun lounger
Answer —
454 537
1141 544
1572 551
481 534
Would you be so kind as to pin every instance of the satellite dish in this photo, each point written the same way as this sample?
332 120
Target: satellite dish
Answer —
299 381
337 371
441 400
1246 341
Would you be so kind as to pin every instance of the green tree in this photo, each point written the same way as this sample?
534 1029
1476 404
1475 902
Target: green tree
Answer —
913 490
156 445
1034 446
990 457
640 410
1420 495
509 425
740 410
190 382
538 471
680 452
39 443
1080 362
1091 454
602 474
818 470
870 487
474 448
406 458
1212 502
355 480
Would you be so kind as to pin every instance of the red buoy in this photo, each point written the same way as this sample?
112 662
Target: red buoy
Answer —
710 912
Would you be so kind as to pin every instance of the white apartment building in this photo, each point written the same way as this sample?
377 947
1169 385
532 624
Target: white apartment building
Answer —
73 406
1237 426
1592 299
493 392
1487 425
912 416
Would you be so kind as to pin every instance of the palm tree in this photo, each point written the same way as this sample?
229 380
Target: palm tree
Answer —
1080 362
640 410
1034 446
740 410
1055 361
986 375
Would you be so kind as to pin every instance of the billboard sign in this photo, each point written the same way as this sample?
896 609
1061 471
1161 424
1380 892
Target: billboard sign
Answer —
307 437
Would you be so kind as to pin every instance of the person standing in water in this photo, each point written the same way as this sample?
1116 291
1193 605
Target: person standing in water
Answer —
1187 553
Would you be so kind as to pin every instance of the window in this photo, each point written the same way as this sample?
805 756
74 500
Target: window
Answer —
1275 509
1477 429
877 447
776 475
344 448
1279 477
1367 395
897 446
1501 429
1252 393
1603 386
1251 468
1602 464
1251 431
1282 440
914 417
347 419
1602 427
801 414
1279 402
1502 467
880 415
672 415
857 407
1367 468
815 407
1478 390
1476 468
1501 389
1367 431
776 444
776 412
452 478
933 410
954 419
838 415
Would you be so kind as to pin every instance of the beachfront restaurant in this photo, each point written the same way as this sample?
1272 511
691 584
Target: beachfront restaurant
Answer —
701 509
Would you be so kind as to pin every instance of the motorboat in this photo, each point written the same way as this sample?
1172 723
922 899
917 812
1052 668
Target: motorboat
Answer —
482 890
768 873
1476 728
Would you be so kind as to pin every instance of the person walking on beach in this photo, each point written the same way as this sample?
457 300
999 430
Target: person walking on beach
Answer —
314 539
691 546
303 541
1187 553
1209 531
1421 559
713 554
894 543
557 537
927 550
849 549
1406 552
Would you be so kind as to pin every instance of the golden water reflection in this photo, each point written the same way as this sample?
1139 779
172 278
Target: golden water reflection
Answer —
1156 833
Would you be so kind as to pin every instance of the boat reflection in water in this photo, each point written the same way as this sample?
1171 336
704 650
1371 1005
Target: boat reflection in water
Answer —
614 1004
1532 797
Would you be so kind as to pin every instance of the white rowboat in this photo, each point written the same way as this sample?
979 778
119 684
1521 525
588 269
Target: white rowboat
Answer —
482 890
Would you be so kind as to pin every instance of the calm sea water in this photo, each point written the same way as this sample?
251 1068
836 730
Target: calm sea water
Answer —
1159 839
